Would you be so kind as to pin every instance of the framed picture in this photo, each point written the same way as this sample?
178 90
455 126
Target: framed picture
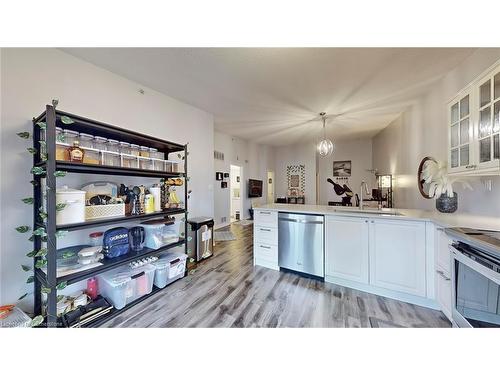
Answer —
226 175
342 168
219 176
223 184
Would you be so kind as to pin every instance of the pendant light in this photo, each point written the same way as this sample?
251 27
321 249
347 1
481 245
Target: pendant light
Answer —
325 146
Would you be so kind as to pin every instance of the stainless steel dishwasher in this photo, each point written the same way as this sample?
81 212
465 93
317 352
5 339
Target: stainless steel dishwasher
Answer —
300 243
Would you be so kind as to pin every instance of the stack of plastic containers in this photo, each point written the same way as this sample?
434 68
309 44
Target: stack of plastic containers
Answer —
169 268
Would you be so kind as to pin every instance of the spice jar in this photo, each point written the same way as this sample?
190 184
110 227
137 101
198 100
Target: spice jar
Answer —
61 146
86 140
135 150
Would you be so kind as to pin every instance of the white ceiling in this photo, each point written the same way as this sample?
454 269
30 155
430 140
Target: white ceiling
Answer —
270 95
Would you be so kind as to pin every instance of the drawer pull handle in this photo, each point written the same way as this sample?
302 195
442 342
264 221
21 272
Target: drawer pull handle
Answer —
265 247
441 273
265 230
265 213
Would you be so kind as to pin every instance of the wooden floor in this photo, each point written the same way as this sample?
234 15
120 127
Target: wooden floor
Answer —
228 291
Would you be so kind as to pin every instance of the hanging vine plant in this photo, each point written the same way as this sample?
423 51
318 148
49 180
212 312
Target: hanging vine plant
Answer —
40 255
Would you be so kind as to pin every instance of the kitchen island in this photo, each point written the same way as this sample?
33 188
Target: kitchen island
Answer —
390 252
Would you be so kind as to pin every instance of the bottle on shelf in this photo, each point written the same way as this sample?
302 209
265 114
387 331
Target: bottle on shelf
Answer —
76 154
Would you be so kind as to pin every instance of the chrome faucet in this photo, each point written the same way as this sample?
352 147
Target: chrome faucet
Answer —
361 193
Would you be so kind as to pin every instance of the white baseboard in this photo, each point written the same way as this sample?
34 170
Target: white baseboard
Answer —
400 296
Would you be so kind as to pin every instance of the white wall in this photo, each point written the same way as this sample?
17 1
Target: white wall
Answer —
359 151
254 159
421 131
299 154
30 78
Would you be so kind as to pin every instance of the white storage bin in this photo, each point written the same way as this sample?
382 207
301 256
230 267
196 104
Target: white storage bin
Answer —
159 234
169 268
125 285
74 212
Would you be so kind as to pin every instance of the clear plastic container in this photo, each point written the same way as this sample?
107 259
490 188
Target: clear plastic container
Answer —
95 238
111 158
61 146
125 148
129 161
100 143
159 234
113 145
159 165
125 285
145 162
135 150
91 156
169 268
71 136
145 151
86 140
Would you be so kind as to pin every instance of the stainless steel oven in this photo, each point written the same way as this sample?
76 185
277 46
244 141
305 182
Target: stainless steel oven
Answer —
475 287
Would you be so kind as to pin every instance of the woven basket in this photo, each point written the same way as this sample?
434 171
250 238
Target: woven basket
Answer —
104 211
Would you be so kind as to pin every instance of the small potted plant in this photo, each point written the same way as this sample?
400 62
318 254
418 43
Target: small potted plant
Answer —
435 174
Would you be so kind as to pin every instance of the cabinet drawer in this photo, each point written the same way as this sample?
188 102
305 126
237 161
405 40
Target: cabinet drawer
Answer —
266 218
443 293
266 252
266 235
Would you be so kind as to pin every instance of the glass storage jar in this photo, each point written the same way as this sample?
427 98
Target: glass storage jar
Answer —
125 148
145 151
129 161
100 143
145 161
135 150
86 140
91 156
61 146
70 136
113 145
112 154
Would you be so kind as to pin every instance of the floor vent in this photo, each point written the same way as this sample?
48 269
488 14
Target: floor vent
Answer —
219 155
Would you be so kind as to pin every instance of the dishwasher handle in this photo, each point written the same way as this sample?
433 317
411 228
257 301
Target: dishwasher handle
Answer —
301 221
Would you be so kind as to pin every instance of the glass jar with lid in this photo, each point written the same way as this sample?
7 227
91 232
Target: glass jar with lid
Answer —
112 154
86 140
71 136
135 150
61 145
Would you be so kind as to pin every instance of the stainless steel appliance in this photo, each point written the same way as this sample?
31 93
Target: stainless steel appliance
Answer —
300 243
200 229
475 278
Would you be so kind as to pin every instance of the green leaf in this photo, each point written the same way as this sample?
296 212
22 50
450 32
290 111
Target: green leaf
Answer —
41 253
190 238
60 297
43 215
179 156
41 263
191 260
37 170
30 279
44 157
32 238
61 285
27 200
34 183
24 135
59 173
39 232
31 150
46 290
37 320
31 254
25 268
23 228
60 138
68 254
43 143
60 206
61 233
22 297
66 120
42 125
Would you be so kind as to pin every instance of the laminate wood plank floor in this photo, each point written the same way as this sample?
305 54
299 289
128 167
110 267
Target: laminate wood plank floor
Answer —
226 290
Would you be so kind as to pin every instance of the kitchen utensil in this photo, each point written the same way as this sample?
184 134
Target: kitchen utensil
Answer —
347 191
136 238
74 211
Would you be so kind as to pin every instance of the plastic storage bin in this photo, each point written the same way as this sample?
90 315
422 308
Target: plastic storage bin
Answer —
169 268
159 234
125 285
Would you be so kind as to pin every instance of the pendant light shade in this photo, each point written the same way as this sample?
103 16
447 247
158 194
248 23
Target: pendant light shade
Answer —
325 146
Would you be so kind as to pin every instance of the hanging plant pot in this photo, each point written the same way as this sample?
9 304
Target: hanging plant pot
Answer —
446 204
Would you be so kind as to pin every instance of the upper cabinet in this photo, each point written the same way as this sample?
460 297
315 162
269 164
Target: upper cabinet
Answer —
474 127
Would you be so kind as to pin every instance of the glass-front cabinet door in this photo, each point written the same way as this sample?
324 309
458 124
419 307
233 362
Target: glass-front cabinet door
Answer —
461 133
488 126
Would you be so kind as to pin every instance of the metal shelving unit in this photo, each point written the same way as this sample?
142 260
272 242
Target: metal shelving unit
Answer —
49 279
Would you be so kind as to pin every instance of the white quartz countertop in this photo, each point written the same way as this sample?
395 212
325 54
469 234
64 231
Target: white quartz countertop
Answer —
444 220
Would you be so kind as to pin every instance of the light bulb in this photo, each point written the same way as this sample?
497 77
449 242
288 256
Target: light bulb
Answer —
325 147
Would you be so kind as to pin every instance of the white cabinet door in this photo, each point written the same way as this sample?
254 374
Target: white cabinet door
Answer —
346 248
397 255
443 292
460 129
443 259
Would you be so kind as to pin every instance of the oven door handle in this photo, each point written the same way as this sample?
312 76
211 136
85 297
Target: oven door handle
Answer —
490 274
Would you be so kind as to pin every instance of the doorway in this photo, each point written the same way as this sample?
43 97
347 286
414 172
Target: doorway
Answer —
235 193
270 187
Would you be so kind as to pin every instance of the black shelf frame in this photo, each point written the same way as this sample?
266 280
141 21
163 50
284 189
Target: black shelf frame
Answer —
49 279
